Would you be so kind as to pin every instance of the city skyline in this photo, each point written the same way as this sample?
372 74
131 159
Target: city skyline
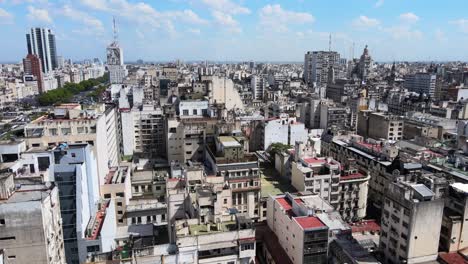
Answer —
231 30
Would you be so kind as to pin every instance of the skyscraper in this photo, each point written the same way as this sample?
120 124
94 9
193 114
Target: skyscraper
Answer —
115 64
32 66
41 42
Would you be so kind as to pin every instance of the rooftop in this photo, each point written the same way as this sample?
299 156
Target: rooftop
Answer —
309 222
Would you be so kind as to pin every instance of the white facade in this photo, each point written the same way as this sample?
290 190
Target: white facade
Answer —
284 130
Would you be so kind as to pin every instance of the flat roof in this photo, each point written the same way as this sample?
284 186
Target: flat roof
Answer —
308 222
284 203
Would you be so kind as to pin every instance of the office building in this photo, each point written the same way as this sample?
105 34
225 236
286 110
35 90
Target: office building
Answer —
422 83
41 42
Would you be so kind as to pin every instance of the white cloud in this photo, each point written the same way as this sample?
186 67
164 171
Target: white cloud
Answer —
40 15
227 21
226 6
404 33
5 17
276 18
409 17
462 24
93 25
145 15
96 4
364 22
190 17
379 3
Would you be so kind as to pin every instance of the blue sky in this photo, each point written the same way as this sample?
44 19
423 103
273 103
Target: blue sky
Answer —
237 30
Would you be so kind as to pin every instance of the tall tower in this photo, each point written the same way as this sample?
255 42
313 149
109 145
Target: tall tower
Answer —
115 63
41 42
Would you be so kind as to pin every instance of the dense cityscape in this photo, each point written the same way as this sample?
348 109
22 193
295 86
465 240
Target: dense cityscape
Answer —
328 160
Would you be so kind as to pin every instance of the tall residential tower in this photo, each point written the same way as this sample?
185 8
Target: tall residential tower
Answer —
41 42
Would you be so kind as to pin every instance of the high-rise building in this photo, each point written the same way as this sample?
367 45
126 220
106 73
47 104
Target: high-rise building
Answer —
421 82
32 66
41 42
115 63
258 86
316 65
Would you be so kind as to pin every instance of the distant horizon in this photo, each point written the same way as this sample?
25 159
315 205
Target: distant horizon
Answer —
237 62
232 30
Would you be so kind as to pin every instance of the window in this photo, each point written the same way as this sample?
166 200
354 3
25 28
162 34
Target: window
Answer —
119 203
66 131
163 217
249 246
185 112
12 257
172 130
195 112
93 248
53 131
158 188
107 196
73 155
120 194
119 212
2 222
225 201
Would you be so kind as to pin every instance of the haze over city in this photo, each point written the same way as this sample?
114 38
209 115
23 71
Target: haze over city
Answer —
230 30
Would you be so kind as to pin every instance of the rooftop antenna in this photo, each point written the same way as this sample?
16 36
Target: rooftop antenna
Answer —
352 53
329 42
114 28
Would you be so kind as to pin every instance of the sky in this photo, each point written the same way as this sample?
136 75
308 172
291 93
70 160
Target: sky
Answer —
241 30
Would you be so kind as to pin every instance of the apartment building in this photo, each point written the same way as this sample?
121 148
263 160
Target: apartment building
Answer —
304 226
454 231
117 187
339 184
143 129
411 223
70 124
30 222
227 159
225 242
75 174
285 130
378 125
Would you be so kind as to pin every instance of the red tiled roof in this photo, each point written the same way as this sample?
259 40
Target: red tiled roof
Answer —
284 203
309 222
314 161
365 226
452 258
298 200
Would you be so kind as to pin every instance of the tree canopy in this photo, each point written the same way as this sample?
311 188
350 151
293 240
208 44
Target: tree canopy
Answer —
65 94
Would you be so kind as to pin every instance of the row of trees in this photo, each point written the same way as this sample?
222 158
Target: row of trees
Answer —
65 94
